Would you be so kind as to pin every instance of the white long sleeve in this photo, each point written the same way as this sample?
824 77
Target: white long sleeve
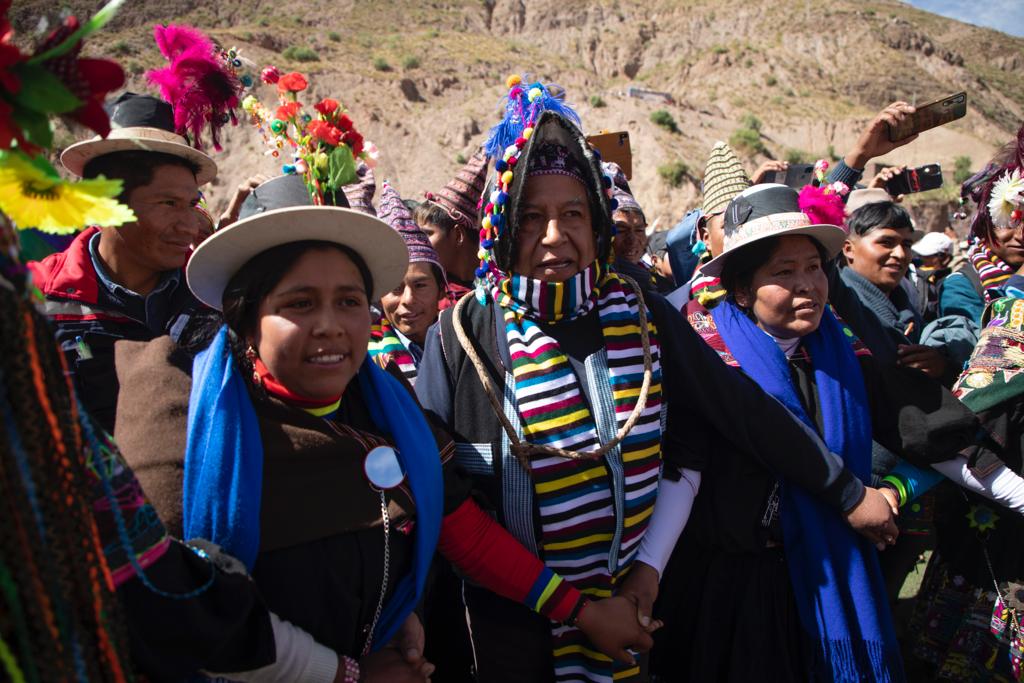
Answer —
671 512
1003 486
300 659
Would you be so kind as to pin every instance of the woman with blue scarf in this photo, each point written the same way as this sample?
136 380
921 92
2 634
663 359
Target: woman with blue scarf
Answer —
305 460
769 583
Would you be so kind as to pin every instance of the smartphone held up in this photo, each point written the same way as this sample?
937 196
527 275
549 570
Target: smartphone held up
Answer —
911 180
928 116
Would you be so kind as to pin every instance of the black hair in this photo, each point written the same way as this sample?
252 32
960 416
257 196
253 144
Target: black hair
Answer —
878 215
254 281
738 271
429 212
134 168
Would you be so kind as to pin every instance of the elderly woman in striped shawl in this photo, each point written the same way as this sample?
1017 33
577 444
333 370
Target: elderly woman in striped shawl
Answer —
585 408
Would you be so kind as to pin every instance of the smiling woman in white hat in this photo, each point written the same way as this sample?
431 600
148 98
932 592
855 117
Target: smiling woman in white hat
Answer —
757 529
303 458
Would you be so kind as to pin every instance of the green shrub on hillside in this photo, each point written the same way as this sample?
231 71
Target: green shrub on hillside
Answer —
961 169
674 173
334 36
411 63
596 101
664 119
746 141
750 121
381 64
796 156
301 53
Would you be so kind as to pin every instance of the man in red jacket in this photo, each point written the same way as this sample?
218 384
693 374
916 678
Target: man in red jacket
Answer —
127 282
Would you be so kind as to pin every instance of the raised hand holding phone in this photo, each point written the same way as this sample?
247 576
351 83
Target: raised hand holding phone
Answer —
928 116
874 140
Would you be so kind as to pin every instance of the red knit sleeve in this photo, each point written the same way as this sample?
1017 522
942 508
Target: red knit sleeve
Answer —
489 555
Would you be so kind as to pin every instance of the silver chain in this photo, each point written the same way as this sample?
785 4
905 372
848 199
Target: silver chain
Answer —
386 519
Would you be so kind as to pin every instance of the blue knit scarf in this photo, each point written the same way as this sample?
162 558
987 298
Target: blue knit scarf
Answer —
224 467
837 583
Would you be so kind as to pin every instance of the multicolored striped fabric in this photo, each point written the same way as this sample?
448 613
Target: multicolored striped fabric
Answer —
385 346
992 270
585 539
549 301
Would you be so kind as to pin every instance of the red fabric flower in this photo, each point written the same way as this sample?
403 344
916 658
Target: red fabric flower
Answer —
90 80
324 132
345 123
327 106
355 142
270 75
293 82
288 110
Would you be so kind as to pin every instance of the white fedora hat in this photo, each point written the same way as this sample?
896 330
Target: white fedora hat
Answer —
139 123
769 210
223 254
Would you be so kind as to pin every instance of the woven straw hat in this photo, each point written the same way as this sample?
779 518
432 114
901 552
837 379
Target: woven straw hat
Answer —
724 178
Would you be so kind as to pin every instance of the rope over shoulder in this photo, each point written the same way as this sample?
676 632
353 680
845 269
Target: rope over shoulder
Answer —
523 450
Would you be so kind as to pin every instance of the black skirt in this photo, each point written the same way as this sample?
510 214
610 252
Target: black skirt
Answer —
729 617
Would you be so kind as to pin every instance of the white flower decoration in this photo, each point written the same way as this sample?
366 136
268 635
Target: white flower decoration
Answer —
1007 198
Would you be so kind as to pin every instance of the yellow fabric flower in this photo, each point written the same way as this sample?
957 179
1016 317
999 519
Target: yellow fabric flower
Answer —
33 198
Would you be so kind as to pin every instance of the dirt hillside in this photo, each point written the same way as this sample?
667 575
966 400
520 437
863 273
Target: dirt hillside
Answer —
422 79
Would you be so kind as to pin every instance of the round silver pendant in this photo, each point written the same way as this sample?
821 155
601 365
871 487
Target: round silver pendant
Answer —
383 468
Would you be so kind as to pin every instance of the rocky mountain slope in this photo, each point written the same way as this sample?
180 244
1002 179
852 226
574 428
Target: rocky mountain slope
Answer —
422 79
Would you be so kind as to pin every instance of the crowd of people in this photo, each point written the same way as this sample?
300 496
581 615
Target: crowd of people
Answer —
498 433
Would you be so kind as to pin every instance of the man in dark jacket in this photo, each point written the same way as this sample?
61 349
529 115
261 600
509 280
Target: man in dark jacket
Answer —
126 282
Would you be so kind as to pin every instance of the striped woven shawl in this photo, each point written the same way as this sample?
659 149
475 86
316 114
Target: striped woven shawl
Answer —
585 538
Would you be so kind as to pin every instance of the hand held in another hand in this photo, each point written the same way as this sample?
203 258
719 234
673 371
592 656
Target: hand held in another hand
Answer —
641 587
894 501
872 517
612 627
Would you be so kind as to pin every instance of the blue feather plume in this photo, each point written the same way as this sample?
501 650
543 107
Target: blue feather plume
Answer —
519 110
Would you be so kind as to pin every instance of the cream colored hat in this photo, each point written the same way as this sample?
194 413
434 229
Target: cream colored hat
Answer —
224 253
139 122
769 210
724 178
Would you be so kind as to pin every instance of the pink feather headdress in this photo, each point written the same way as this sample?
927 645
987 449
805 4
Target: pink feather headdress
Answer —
823 203
198 82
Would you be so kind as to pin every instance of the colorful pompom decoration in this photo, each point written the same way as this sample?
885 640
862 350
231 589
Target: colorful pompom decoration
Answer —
523 106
